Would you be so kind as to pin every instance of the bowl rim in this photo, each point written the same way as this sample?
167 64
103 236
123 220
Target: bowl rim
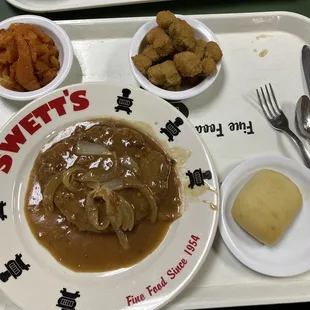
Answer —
200 27
67 57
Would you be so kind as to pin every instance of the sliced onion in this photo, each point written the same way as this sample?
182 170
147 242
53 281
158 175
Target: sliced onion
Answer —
114 185
132 183
93 185
49 191
89 148
118 218
93 213
122 238
129 163
67 178
128 214
97 175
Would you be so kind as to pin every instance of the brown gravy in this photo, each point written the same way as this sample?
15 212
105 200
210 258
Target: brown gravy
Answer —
65 230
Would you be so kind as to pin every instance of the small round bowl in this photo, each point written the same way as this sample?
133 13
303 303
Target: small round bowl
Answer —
63 44
201 32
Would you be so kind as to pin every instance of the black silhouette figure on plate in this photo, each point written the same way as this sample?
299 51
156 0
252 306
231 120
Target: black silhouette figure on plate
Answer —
124 102
68 300
197 177
2 215
14 268
180 106
172 128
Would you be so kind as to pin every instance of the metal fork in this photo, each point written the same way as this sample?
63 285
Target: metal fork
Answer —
278 120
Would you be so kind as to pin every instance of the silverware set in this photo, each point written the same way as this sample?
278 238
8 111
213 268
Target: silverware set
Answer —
277 119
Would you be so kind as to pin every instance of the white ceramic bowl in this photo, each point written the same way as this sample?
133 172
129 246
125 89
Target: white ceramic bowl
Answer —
63 44
201 32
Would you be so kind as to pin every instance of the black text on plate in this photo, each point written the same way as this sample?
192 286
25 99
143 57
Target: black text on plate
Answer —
68 300
124 102
14 268
172 128
2 215
197 177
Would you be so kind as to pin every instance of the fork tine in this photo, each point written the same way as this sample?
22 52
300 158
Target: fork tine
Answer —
265 103
264 108
277 107
271 104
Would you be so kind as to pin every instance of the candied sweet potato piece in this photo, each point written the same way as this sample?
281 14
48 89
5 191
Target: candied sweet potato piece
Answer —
48 76
54 62
41 66
24 68
8 83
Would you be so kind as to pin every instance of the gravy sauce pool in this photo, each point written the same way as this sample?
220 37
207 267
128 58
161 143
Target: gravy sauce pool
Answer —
65 233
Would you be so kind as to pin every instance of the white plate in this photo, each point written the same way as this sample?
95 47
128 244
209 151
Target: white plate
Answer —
40 287
290 256
65 5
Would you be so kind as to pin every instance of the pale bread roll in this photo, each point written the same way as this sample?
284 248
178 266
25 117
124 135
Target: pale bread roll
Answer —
267 205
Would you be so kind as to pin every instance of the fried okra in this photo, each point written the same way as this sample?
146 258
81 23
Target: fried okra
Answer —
182 35
164 19
151 53
188 64
160 41
173 58
165 75
213 51
200 48
142 63
208 67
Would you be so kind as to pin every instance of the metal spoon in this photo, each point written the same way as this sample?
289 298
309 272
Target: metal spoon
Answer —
302 116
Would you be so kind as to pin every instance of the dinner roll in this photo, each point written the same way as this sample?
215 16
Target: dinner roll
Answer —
267 205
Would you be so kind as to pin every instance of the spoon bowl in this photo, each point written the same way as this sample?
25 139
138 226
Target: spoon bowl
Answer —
302 116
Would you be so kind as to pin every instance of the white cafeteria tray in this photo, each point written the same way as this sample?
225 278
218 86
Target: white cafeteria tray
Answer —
101 48
66 5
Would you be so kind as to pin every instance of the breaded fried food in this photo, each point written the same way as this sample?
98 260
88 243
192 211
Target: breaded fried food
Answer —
164 19
179 60
188 64
165 75
156 76
142 63
151 53
160 41
182 35
200 48
208 67
213 51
